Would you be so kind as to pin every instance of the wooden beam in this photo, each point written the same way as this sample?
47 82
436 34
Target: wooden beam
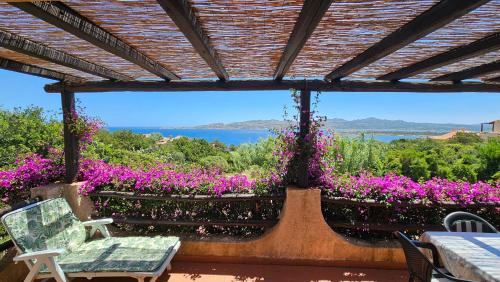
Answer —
311 14
303 154
476 48
470 73
436 17
183 15
71 141
62 16
257 85
11 65
495 79
34 49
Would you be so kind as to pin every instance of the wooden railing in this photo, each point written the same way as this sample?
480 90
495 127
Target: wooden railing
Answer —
227 198
268 223
389 227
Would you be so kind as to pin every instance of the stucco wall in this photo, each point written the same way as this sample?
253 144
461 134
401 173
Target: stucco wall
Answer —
301 236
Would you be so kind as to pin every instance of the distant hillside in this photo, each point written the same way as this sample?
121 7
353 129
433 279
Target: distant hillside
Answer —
342 125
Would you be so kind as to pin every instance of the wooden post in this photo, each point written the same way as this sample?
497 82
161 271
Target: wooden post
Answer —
305 126
71 146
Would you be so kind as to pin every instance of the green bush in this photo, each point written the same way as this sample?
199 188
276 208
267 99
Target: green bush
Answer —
28 130
359 155
489 156
247 155
214 162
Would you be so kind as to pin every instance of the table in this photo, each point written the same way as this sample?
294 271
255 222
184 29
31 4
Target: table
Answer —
467 255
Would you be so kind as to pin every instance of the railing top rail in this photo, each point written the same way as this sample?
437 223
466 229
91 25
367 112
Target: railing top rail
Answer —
200 198
374 203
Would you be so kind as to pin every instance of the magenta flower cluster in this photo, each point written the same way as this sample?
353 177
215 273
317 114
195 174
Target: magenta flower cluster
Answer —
161 179
394 189
83 126
30 172
36 171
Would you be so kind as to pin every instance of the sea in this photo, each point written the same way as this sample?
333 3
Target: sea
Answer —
237 136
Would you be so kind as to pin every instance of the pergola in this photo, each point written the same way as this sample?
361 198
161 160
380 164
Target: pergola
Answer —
224 45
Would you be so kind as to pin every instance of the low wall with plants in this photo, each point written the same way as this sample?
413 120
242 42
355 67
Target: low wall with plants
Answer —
173 199
371 208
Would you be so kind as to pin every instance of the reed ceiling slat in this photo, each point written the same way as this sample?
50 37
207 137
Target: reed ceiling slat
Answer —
249 35
487 77
349 28
479 23
18 22
16 66
25 59
469 63
145 26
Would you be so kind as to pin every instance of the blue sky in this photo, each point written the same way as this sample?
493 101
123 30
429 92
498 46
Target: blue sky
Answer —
193 108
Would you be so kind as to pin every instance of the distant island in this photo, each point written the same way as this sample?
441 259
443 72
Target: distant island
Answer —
369 125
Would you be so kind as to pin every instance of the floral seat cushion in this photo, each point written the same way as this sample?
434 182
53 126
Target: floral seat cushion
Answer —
118 254
51 225
46 225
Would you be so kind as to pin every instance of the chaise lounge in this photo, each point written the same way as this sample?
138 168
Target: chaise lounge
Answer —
54 243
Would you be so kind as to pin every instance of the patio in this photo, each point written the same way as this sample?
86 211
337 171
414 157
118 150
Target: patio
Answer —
227 272
216 45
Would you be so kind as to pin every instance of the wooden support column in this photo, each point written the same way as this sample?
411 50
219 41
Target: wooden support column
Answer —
71 146
304 130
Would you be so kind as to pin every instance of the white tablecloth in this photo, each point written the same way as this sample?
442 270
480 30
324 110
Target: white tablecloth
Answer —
472 256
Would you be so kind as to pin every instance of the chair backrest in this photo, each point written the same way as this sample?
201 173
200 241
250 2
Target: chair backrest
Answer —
45 225
419 266
467 222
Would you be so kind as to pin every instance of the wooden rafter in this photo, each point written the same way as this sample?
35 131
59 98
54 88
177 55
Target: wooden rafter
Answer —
476 48
11 65
183 15
254 85
436 17
62 16
22 45
495 79
470 72
311 14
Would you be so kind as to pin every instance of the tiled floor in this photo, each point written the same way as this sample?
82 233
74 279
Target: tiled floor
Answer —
222 272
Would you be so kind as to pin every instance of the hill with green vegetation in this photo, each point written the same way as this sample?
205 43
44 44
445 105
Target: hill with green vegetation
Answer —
342 125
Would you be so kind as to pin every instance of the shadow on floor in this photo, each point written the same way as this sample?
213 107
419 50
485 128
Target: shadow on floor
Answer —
224 272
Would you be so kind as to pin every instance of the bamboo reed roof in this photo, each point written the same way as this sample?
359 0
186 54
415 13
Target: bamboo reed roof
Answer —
350 27
246 39
464 30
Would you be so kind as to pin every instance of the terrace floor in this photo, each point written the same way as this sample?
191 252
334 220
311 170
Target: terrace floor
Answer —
225 272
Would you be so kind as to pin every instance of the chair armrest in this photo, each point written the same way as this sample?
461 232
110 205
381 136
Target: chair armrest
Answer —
448 277
99 224
430 246
39 255
101 221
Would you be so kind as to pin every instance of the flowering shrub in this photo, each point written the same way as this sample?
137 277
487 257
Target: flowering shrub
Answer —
422 202
392 188
294 153
30 172
83 126
165 179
